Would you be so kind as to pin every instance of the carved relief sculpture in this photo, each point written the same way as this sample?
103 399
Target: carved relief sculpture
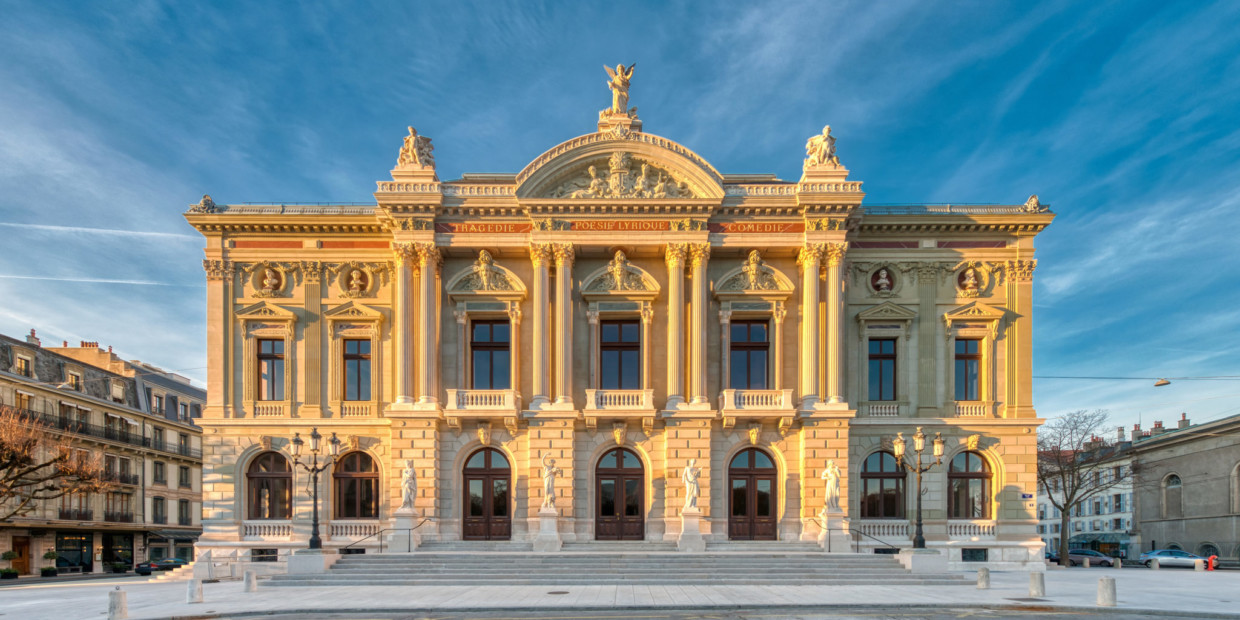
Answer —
618 277
968 282
206 205
623 181
416 151
755 275
820 150
549 472
408 486
357 283
485 276
690 477
831 486
271 282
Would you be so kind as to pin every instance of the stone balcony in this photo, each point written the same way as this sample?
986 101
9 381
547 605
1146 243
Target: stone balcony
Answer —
504 405
971 529
619 405
975 409
267 529
757 405
884 409
353 530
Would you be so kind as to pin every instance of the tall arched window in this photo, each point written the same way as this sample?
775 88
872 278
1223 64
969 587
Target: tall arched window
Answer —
968 487
270 482
1172 495
356 481
882 487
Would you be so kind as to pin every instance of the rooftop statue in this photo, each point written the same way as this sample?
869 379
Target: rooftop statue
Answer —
619 85
416 151
820 150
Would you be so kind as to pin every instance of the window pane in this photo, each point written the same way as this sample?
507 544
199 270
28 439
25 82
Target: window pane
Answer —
765 503
609 460
477 461
757 370
610 332
499 332
363 378
630 332
632 497
630 460
875 378
971 371
757 332
475 498
482 370
761 460
739 332
501 374
740 493
607 498
350 380
482 332
740 370
630 372
888 374
499 498
741 460
498 460
962 380
610 369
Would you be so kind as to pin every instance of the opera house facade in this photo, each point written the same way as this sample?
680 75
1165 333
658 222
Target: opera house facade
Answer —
623 308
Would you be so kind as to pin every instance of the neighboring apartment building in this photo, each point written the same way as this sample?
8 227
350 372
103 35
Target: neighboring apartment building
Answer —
1104 521
622 307
1188 487
140 421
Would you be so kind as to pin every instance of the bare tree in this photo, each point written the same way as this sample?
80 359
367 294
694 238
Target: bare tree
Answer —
37 465
1073 459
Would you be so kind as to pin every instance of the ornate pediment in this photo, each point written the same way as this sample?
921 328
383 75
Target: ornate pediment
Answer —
353 311
754 276
620 276
265 310
622 176
886 311
976 311
484 277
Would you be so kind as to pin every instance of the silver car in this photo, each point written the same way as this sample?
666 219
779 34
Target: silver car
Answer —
1170 557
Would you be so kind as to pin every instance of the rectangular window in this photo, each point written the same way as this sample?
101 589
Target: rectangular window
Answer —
157 405
157 438
620 345
22 401
1117 524
1117 501
750 355
882 369
183 443
968 369
490 354
159 472
183 479
159 510
119 507
23 367
271 370
75 381
183 516
1097 507
357 370
184 413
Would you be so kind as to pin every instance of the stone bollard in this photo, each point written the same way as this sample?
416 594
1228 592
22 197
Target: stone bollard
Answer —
1154 564
1119 562
1037 584
983 579
1106 592
118 605
251 581
193 593
1086 563
1199 565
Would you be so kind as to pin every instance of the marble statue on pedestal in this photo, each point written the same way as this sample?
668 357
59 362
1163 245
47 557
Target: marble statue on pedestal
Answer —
690 477
549 472
619 85
831 490
408 486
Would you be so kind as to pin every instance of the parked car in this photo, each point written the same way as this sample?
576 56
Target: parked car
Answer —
146 568
1170 557
1076 557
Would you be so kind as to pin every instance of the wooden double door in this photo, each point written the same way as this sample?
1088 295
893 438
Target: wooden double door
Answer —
620 504
752 496
488 496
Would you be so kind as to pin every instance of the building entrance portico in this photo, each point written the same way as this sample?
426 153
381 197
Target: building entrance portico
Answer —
620 513
488 497
752 497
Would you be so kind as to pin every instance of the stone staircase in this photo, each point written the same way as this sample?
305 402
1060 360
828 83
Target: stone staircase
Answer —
604 563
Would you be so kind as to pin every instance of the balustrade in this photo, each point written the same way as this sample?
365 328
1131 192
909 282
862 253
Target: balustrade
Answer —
886 530
482 400
263 530
756 399
269 410
973 409
352 529
883 410
619 400
972 530
356 410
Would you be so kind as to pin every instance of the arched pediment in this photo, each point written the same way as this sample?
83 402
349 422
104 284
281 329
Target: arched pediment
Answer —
620 277
754 277
626 165
486 278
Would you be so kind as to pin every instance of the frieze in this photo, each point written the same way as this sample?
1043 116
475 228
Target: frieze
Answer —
625 178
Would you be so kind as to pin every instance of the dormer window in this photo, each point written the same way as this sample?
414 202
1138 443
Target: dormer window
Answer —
22 367
75 381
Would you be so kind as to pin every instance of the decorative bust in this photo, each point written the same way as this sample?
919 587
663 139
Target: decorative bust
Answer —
357 282
883 282
271 281
968 281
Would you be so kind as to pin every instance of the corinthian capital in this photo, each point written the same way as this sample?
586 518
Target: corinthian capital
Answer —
675 254
1022 270
810 256
218 269
835 253
405 253
564 254
313 270
540 254
699 253
428 255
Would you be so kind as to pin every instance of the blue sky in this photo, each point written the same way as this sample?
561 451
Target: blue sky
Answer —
1122 115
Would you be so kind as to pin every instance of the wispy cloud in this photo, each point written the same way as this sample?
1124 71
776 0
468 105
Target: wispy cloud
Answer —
111 232
95 280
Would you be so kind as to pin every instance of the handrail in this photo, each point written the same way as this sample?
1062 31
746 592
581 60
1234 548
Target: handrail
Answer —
389 529
824 528
881 542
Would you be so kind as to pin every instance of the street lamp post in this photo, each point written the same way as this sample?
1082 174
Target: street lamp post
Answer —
314 469
919 445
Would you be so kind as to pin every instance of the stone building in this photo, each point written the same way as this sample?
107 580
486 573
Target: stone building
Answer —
1188 487
623 307
128 414
1103 521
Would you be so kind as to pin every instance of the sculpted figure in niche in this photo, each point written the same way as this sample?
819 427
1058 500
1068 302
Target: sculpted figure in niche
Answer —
482 267
549 472
357 282
408 485
619 85
271 281
619 269
820 150
968 280
753 269
883 282
690 477
831 484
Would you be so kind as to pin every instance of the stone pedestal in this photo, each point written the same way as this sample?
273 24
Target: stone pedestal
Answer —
690 531
311 561
403 538
834 538
548 540
922 561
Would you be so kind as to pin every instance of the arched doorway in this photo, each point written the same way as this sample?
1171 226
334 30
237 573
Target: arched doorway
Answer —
488 496
621 504
751 496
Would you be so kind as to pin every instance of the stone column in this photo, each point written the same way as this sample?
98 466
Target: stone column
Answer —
777 347
540 255
699 255
835 319
927 327
563 322
514 336
403 321
313 332
428 263
220 274
675 257
809 259
647 325
1019 358
725 355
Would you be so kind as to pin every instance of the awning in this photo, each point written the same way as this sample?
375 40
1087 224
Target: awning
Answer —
1101 537
129 421
174 534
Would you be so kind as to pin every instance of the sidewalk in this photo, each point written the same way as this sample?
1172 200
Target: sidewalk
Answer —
1185 592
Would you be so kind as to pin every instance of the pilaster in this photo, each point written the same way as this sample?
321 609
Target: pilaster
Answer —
1019 357
312 327
220 276
927 345
675 256
429 261
835 317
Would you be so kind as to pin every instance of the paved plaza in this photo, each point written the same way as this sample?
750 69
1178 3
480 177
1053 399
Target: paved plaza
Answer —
1180 592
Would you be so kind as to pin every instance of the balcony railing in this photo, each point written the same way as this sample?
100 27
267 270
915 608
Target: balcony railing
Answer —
883 410
975 529
75 514
71 425
269 409
266 530
353 529
619 400
120 478
175 448
483 400
974 409
159 519
184 521
756 399
888 530
357 410
118 517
